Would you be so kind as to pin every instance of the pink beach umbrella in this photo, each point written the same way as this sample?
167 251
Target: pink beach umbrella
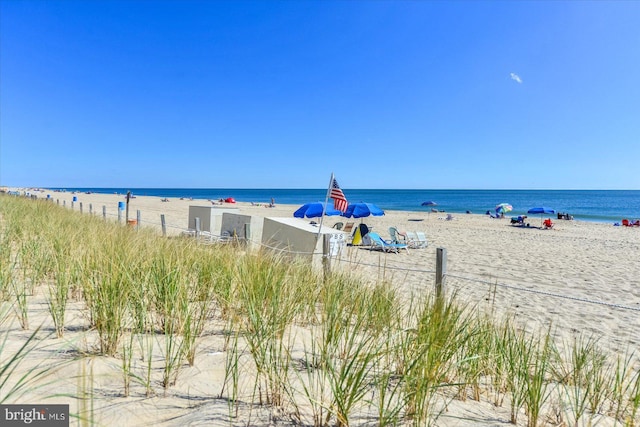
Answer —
504 208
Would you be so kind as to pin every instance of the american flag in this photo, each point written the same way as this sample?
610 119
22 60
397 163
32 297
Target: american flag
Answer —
339 201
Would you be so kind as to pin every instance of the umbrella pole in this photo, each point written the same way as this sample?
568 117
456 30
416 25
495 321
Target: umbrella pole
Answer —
324 207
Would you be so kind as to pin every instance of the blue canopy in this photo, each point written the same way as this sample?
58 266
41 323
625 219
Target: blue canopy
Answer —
541 210
429 203
314 210
360 210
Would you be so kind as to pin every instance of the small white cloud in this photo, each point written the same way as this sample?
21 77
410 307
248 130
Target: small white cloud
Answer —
516 77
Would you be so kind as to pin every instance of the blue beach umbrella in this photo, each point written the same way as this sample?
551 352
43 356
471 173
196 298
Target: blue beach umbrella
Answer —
361 210
429 203
541 210
314 210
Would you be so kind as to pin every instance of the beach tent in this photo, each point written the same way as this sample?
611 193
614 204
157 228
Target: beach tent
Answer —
360 236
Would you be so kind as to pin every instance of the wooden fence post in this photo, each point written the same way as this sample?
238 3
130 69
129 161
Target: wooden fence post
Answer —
90 208
80 207
164 225
247 233
137 219
441 272
197 227
326 255
104 212
64 203
127 214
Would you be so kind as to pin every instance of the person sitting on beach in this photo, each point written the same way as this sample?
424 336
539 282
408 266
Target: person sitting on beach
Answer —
519 220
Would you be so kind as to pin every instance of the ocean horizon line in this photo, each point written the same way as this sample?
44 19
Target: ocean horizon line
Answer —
321 188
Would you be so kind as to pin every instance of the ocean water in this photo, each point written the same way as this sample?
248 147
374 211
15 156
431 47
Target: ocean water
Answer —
584 205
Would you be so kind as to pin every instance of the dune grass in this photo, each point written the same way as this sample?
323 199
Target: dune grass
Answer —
320 350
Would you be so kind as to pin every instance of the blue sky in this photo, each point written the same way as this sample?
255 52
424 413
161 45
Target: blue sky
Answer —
279 94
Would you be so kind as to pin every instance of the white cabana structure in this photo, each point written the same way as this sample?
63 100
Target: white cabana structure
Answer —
298 238
210 217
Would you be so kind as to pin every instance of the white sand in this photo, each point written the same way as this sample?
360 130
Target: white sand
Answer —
579 277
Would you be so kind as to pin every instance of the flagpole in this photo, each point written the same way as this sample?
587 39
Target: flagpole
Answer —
324 207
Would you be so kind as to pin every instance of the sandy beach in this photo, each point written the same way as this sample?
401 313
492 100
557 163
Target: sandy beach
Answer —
577 278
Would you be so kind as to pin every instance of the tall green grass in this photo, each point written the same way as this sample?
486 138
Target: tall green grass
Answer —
268 301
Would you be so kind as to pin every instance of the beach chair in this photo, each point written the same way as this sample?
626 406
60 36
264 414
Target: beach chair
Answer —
225 237
449 217
338 225
422 239
348 228
415 242
412 240
519 220
378 243
397 236
548 224
625 222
